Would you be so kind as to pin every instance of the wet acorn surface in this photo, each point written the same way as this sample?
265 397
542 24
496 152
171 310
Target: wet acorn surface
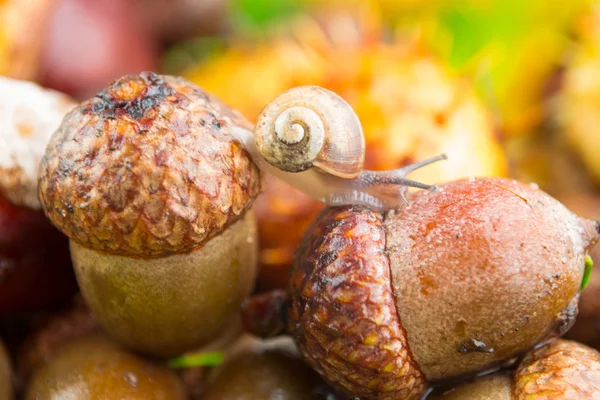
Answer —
95 368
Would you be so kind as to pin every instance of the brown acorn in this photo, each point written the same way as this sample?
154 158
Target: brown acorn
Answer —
256 369
94 367
462 280
154 193
561 369
35 269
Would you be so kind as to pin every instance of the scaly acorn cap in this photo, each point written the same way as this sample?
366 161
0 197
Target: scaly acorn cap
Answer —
147 168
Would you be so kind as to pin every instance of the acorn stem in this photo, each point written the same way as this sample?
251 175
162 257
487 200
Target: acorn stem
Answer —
265 315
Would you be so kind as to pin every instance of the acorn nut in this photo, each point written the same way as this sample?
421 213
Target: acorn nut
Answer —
93 367
470 276
154 194
257 369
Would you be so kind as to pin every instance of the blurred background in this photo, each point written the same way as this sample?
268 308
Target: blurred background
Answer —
504 87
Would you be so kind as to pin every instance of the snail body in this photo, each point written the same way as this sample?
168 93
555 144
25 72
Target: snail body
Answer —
311 138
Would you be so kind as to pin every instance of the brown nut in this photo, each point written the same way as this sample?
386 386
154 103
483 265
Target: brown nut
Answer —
154 193
95 368
35 270
6 375
257 369
561 369
462 280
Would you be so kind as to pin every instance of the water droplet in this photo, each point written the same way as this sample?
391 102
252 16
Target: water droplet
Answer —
474 346
131 379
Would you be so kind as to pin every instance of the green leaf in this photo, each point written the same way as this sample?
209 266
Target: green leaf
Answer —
210 359
260 14
587 273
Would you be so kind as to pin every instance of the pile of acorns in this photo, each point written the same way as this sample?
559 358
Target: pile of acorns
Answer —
393 294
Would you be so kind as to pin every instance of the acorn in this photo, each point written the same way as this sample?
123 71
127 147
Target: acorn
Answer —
259 369
467 277
94 367
561 369
154 193
462 280
35 269
6 376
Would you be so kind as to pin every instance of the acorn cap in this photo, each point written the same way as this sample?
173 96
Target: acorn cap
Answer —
147 168
343 313
29 115
559 370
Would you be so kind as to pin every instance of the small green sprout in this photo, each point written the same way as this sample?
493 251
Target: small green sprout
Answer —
587 273
210 359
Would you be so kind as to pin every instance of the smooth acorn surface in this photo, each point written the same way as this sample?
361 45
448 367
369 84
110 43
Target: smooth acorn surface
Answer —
460 281
96 368
155 193
561 369
270 369
6 375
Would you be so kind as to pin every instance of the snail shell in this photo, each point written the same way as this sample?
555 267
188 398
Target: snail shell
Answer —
307 127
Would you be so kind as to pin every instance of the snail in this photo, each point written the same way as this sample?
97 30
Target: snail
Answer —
312 139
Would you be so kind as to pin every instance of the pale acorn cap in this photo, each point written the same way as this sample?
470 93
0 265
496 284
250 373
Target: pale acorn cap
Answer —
29 115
